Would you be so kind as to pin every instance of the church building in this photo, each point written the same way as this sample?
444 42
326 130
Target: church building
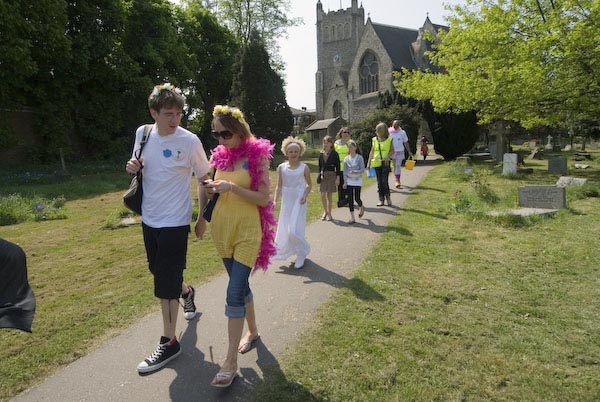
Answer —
356 61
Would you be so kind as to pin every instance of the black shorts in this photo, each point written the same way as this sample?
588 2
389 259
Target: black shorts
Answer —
166 250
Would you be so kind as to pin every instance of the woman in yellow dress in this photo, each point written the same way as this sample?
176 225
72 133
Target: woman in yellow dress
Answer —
242 225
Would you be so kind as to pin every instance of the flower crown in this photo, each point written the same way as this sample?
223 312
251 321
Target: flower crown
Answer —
233 111
166 87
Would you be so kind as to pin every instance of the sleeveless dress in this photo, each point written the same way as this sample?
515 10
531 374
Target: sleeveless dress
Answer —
289 239
235 226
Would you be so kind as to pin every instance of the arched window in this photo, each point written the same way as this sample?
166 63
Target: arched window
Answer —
347 30
326 34
337 109
333 32
340 31
369 74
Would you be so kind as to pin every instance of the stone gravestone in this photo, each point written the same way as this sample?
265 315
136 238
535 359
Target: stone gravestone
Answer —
549 145
534 154
593 146
557 165
567 147
547 197
463 160
565 181
509 164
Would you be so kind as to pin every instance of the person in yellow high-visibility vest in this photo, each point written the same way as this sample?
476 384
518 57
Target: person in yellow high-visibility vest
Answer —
382 148
341 147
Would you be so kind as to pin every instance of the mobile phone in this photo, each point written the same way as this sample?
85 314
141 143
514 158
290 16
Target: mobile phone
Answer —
205 182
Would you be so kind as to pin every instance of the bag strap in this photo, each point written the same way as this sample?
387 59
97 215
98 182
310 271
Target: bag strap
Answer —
147 129
379 144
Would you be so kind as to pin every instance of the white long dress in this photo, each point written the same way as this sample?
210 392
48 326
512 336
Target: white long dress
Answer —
289 239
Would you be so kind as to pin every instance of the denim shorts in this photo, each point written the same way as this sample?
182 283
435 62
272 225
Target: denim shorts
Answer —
166 250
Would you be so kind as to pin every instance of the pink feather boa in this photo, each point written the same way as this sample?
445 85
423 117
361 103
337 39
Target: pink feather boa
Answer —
255 150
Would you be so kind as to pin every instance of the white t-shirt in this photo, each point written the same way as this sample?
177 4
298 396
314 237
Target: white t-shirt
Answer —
399 137
168 164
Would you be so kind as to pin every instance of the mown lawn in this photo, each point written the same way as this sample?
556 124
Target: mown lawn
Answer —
90 281
474 308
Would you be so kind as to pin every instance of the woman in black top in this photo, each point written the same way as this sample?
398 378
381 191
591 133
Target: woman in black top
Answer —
329 175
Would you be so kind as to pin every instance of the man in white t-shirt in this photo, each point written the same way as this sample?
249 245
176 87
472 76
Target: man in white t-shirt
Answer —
167 160
400 141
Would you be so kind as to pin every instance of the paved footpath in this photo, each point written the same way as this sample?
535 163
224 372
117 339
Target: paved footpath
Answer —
285 300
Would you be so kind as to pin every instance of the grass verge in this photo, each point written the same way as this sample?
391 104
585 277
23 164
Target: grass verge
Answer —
88 271
473 308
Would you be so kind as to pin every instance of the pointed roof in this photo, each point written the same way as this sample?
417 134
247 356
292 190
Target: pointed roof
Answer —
321 124
396 42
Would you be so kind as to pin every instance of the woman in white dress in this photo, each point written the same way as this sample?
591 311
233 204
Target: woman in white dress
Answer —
293 186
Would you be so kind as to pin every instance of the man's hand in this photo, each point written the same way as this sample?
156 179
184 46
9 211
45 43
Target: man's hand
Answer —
133 165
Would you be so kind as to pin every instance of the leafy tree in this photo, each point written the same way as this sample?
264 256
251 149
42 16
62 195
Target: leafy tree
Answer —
17 65
49 90
267 17
95 31
212 49
258 90
453 133
153 53
531 61
364 130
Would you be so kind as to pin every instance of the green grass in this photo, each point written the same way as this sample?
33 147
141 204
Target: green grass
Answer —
471 309
89 273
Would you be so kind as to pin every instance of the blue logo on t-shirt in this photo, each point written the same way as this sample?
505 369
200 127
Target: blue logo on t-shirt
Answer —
167 153
245 165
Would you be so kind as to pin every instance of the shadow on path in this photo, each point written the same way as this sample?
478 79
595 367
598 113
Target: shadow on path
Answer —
194 372
273 379
317 273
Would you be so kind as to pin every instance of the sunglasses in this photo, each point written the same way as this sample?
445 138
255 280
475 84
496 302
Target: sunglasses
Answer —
225 134
346 132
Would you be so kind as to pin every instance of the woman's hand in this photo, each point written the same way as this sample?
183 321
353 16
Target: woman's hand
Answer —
217 186
200 227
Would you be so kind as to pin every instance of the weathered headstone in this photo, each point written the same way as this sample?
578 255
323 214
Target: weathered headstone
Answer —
593 146
534 154
565 181
567 147
509 164
549 197
549 145
464 160
557 165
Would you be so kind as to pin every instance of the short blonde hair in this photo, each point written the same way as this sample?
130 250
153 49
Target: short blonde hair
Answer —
292 140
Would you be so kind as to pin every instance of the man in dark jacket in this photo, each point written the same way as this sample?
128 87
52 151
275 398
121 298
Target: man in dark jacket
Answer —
17 301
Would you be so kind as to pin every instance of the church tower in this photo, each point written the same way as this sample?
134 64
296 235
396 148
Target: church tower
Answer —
338 36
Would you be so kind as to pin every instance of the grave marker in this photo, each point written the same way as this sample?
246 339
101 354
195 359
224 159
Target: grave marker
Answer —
548 197
557 165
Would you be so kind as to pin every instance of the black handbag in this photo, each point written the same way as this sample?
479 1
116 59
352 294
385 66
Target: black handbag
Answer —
133 196
210 205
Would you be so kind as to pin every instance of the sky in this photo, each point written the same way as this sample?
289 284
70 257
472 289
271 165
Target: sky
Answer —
299 50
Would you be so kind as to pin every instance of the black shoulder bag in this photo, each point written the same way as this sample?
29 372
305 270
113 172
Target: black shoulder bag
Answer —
210 205
133 197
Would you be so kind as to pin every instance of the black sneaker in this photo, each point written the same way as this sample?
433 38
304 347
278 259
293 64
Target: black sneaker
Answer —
163 354
189 308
